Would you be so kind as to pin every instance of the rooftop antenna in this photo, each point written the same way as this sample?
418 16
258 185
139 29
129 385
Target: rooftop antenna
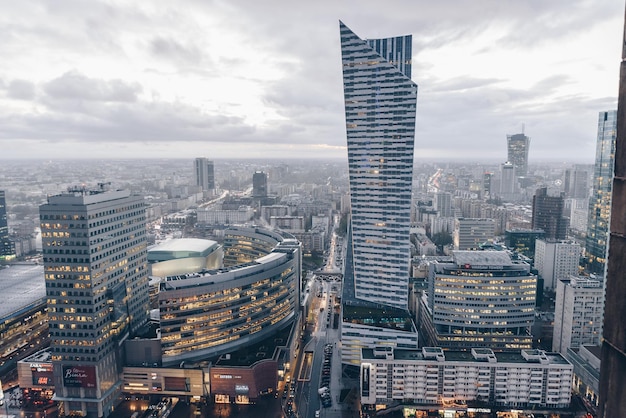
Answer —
522 128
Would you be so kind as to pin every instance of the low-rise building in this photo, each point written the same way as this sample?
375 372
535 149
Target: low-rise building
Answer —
431 376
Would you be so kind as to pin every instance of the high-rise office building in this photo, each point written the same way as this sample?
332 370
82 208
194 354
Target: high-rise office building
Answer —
600 200
259 184
508 181
204 172
548 214
465 303
443 203
576 182
96 273
517 153
6 249
380 103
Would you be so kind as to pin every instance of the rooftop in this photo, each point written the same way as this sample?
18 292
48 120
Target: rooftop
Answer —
467 356
21 286
482 258
184 244
265 349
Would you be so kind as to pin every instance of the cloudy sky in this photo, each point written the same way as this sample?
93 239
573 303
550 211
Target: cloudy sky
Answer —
247 78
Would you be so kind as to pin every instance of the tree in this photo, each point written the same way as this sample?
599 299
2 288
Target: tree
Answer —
441 239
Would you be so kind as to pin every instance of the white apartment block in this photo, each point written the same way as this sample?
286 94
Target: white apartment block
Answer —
469 233
355 336
530 378
225 217
578 313
556 260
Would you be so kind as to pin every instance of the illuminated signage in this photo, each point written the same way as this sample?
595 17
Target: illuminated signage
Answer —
79 376
225 376
41 374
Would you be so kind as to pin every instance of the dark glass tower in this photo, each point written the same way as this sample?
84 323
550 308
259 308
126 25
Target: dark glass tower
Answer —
517 153
600 201
6 249
95 265
548 214
259 184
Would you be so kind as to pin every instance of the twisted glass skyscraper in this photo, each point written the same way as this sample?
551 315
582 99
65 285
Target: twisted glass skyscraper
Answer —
380 101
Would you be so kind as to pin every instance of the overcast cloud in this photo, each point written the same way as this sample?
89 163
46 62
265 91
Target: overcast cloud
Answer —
253 79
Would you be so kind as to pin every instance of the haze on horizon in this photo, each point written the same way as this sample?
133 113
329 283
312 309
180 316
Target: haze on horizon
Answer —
252 79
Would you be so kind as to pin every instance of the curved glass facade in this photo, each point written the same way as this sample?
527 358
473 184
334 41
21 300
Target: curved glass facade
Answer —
210 313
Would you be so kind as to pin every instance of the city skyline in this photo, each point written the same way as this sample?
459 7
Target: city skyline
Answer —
154 81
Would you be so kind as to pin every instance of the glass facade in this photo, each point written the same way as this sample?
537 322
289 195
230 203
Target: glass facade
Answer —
600 200
517 153
380 104
6 249
206 314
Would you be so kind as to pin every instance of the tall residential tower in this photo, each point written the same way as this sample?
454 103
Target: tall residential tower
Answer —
96 273
380 103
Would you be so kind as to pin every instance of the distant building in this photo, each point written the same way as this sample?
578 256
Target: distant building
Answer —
523 240
518 146
576 182
432 376
469 233
600 200
212 216
508 181
548 214
443 204
6 248
259 184
204 172
274 210
578 313
96 273
556 260
466 306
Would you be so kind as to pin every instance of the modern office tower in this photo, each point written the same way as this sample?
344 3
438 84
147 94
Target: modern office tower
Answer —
576 184
466 303
578 312
517 153
523 240
259 184
469 233
6 249
508 181
612 376
204 172
96 273
548 214
556 260
600 200
380 103
443 204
